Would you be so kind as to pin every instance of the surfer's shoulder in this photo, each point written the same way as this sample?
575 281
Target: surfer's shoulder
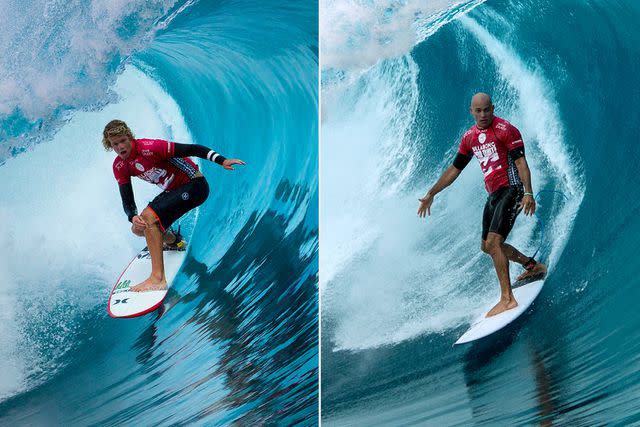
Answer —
118 164
147 147
502 125
469 133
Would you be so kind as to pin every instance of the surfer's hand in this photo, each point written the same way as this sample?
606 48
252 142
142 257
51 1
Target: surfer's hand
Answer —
138 225
425 206
528 205
228 163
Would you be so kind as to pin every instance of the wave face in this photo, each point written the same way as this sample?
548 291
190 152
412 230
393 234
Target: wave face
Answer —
397 290
237 341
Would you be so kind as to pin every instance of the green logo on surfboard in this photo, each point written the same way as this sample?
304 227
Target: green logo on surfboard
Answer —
123 285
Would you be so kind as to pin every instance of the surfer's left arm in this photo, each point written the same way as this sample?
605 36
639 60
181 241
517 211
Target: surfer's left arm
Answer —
195 150
528 203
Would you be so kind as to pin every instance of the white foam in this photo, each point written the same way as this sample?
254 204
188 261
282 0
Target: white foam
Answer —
366 156
65 233
355 35
56 53
383 278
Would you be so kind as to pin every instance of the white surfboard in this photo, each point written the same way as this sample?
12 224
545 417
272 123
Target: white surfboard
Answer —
484 326
124 303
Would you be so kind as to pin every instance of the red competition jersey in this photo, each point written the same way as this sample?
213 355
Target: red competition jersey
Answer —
152 160
491 147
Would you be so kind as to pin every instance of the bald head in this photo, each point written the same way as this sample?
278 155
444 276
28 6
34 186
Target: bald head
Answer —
480 98
482 110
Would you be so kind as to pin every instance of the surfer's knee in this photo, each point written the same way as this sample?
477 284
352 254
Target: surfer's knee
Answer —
139 233
483 246
491 248
493 244
149 217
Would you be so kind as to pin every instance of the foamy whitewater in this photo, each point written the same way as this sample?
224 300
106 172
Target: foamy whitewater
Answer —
397 290
237 341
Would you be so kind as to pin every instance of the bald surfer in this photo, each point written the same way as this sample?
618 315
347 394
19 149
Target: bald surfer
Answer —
499 148
167 165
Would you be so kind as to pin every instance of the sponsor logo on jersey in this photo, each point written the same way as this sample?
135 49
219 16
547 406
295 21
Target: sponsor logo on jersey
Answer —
147 152
167 182
518 141
153 175
486 151
482 138
119 165
488 157
139 167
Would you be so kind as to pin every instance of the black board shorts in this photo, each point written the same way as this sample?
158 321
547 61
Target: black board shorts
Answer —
168 206
501 210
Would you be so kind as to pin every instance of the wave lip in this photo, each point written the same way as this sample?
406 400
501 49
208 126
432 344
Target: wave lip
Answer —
61 58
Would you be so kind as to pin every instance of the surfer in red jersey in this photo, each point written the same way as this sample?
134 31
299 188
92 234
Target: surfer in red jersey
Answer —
167 165
498 146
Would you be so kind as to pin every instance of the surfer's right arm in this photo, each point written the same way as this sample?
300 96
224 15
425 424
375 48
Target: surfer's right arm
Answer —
446 179
129 204
123 178
448 176
128 201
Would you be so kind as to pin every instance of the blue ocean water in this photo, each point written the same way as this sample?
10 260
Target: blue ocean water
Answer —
397 291
236 342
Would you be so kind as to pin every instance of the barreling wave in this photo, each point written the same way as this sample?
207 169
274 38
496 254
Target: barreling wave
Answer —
398 290
237 342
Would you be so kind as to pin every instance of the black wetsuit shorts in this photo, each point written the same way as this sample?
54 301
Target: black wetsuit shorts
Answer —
501 210
168 206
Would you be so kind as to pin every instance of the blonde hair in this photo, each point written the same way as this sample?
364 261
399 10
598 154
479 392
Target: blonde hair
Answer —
114 128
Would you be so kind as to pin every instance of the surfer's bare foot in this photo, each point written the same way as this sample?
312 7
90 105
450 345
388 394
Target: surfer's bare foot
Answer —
151 284
503 305
538 269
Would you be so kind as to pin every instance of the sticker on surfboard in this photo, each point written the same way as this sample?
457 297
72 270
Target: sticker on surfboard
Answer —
525 294
124 303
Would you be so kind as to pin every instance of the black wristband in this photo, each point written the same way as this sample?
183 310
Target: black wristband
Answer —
216 157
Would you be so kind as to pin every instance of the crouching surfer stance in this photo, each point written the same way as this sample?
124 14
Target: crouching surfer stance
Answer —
167 165
498 146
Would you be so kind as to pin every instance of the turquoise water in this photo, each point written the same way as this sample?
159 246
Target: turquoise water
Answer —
237 339
404 289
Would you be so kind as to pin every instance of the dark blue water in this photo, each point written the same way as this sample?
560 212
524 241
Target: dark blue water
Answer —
236 342
403 289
